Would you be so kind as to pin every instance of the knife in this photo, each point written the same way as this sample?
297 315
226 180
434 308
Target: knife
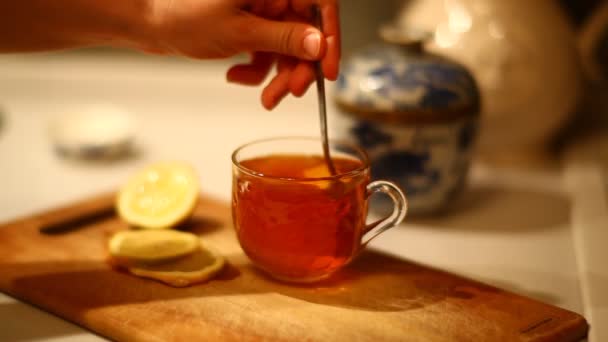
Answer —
91 211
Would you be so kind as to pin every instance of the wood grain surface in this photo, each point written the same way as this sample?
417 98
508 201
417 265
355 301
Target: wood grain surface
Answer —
376 298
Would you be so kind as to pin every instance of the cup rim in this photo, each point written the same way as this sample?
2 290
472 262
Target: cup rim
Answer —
364 158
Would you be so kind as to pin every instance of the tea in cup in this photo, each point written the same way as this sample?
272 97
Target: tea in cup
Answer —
297 221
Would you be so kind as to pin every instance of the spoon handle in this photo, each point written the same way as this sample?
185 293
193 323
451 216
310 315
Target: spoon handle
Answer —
321 99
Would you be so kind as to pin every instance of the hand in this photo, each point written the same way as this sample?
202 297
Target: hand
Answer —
271 30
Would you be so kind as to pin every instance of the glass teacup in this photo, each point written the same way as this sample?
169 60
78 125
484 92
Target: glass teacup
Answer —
294 219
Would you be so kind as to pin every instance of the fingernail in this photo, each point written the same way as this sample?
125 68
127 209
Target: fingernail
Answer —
312 44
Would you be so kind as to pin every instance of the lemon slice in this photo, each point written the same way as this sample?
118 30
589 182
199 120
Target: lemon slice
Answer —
159 196
194 268
318 171
151 246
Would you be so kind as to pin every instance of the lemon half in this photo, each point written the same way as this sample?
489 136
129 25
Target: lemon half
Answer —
151 246
159 196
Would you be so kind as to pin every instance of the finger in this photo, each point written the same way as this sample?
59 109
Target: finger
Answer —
331 31
257 7
331 61
329 12
301 78
275 8
278 88
253 73
286 38
265 8
154 50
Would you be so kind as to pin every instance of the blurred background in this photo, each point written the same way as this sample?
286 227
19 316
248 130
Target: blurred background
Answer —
514 49
540 67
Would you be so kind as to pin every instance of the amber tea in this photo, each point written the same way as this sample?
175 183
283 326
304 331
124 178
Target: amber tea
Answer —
303 228
292 217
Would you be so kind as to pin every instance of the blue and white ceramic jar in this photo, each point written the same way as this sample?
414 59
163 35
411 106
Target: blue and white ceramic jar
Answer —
415 113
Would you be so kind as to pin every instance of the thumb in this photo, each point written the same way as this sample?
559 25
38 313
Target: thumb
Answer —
286 38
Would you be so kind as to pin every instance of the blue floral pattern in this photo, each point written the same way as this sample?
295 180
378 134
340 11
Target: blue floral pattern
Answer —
467 134
369 136
387 78
411 170
429 163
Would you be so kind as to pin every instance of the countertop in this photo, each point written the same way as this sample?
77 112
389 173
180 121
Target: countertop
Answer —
534 232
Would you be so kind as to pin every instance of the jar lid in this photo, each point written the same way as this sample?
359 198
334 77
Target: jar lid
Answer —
397 80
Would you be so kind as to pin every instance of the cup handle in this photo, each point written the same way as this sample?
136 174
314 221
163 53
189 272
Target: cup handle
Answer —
395 218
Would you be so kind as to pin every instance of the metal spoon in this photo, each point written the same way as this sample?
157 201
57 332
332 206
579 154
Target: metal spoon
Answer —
321 98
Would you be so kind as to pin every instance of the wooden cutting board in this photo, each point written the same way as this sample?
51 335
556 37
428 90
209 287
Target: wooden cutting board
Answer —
376 298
